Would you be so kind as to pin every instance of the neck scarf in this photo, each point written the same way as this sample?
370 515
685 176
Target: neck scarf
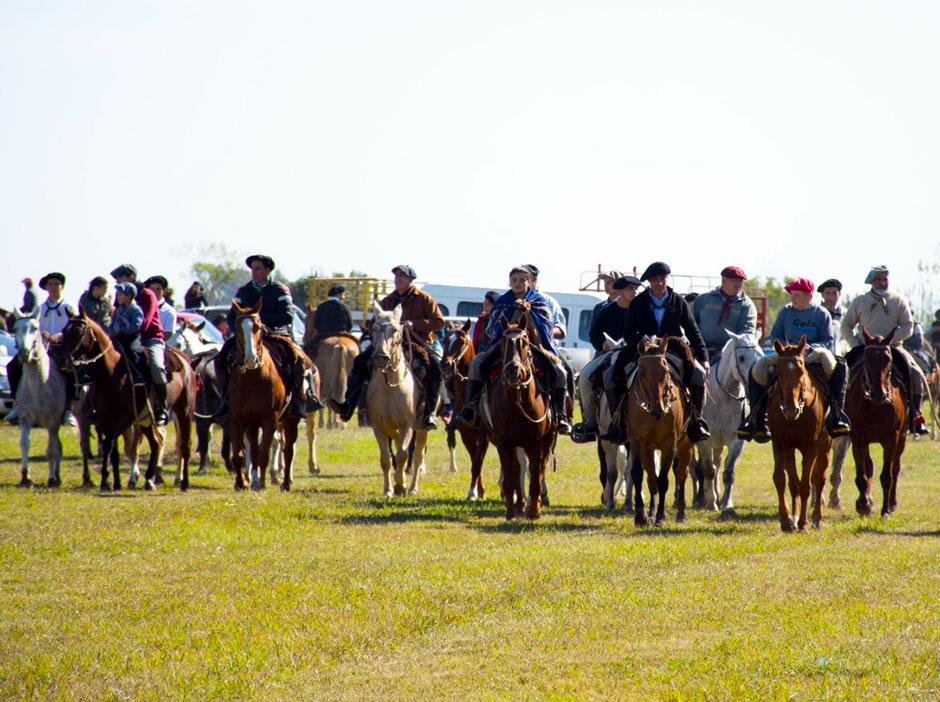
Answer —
881 298
726 302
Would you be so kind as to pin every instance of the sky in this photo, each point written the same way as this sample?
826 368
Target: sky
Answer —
788 138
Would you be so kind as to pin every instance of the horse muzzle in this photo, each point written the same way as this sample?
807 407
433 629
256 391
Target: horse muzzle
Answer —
380 360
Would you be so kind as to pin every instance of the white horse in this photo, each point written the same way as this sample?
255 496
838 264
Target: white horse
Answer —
727 395
392 398
41 396
619 478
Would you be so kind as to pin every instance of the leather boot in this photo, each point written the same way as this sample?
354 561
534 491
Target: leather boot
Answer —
559 407
755 426
432 393
617 431
354 384
468 414
837 423
918 423
312 403
160 415
697 429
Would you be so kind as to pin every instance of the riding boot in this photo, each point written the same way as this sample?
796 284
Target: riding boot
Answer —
918 423
160 415
560 409
617 431
585 431
755 426
837 423
312 403
354 384
698 428
468 414
431 395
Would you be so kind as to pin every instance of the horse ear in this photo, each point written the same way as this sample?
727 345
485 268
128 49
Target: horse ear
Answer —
17 314
397 314
309 308
257 307
466 326
890 337
866 336
778 347
200 326
802 345
503 323
376 310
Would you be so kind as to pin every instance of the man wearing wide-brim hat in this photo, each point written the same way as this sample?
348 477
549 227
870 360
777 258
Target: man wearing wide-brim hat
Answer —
725 309
882 311
420 313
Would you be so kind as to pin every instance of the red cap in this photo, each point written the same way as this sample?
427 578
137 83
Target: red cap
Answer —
733 272
804 284
27 280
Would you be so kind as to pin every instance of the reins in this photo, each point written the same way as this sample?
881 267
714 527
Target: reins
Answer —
518 386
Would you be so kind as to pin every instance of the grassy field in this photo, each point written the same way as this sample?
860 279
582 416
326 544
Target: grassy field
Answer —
331 593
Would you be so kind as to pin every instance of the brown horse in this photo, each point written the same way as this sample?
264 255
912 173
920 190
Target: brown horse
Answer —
333 356
878 413
455 365
122 406
259 401
657 414
520 420
795 421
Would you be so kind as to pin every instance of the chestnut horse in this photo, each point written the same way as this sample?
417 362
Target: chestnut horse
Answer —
458 353
878 413
657 415
333 357
520 419
795 421
259 402
122 406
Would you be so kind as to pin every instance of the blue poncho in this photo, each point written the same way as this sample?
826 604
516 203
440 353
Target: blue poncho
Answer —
504 307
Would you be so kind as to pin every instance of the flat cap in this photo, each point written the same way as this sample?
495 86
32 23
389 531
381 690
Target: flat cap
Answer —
336 290
654 269
156 279
804 284
733 272
612 274
126 288
49 276
491 295
124 269
405 269
533 269
266 260
625 280
830 283
875 270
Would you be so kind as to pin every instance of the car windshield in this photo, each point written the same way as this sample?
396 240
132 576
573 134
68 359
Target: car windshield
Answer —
209 332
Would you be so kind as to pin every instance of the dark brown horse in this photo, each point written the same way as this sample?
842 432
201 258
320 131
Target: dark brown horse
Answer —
121 405
795 413
878 413
455 364
520 420
259 401
657 414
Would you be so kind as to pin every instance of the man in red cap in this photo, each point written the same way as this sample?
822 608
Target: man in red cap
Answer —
798 319
724 309
29 297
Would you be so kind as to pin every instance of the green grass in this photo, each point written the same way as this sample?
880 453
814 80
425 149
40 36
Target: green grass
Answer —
331 592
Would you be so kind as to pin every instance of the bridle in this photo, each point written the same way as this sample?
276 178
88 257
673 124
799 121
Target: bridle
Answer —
31 353
866 379
736 373
451 357
642 396
514 341
801 401
82 360
396 355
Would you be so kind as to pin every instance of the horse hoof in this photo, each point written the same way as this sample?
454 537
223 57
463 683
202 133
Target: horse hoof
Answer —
680 517
835 504
25 482
413 491
728 513
863 509
611 506
817 524
104 487
149 486
177 482
184 485
132 483
159 479
787 527
313 470
641 520
546 502
399 491
285 486
239 486
88 484
52 483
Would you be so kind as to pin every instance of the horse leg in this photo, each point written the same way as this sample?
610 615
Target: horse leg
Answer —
53 454
107 446
84 434
896 471
263 450
507 460
24 452
889 450
840 447
226 449
237 437
452 448
624 479
727 477
161 442
251 438
662 483
820 465
473 445
116 464
608 474
385 459
290 437
184 434
863 475
420 449
639 468
697 473
708 459
132 437
155 441
682 469
401 458
203 441
313 466
780 482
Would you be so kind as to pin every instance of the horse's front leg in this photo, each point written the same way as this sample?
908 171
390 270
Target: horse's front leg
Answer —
536 457
682 469
510 467
53 456
637 471
726 502
203 441
662 483
819 479
840 447
184 430
24 452
781 458
313 465
864 467
237 446
889 457
420 449
402 445
261 453
116 464
385 459
289 433
132 437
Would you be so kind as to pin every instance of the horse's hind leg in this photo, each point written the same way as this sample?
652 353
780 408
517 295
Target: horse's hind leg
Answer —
184 431
637 470
896 473
420 449
290 438
452 446
263 451
682 469
237 444
154 440
116 464
203 441
53 456
385 459
507 460
889 450
132 437
313 465
863 474
819 480
781 457
726 503
666 465
840 447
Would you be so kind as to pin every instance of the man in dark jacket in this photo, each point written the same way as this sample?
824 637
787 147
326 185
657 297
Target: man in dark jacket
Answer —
420 313
277 315
660 311
331 315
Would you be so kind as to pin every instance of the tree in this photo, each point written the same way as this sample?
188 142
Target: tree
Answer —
923 294
220 270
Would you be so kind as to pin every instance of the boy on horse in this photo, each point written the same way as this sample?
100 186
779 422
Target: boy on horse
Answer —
540 313
659 311
831 292
881 311
799 318
420 314
277 316
724 309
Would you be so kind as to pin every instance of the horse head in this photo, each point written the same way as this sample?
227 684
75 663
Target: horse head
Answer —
655 390
28 336
517 362
249 351
740 353
458 350
791 378
386 337
876 368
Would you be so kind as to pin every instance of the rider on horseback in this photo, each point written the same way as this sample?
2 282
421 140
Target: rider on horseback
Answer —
520 289
799 318
658 311
419 312
277 314
881 311
724 309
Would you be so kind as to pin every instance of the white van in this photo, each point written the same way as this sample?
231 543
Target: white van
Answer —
460 302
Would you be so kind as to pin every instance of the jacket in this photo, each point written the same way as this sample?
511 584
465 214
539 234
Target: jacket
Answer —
740 319
98 308
541 315
677 321
277 306
419 308
879 317
332 316
150 328
610 319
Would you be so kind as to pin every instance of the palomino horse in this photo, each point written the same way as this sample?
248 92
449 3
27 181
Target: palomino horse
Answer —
258 402
458 353
727 385
41 397
519 417
121 405
878 412
657 414
392 398
795 414
333 357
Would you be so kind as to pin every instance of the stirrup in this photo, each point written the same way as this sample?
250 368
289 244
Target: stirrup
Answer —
761 435
580 436
919 425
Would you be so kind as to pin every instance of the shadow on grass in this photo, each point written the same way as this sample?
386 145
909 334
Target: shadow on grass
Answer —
402 510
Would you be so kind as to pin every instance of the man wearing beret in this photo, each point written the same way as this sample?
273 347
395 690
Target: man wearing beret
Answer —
277 315
724 309
830 291
151 337
609 278
158 284
659 311
798 319
881 311
420 313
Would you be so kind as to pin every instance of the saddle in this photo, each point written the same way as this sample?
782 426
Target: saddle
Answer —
855 370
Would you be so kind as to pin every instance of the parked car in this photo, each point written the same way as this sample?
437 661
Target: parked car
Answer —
195 334
7 352
215 310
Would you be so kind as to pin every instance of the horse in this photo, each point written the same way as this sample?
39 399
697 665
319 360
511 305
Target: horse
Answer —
121 405
878 413
795 421
455 365
657 415
615 463
333 357
41 397
520 420
258 402
726 388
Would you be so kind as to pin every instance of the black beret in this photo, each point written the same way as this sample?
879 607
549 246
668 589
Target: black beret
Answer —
491 295
266 260
831 283
124 269
45 279
654 269
625 280
405 269
533 269
156 279
335 290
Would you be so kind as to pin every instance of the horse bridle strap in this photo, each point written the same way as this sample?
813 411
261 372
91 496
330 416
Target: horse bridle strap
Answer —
88 361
